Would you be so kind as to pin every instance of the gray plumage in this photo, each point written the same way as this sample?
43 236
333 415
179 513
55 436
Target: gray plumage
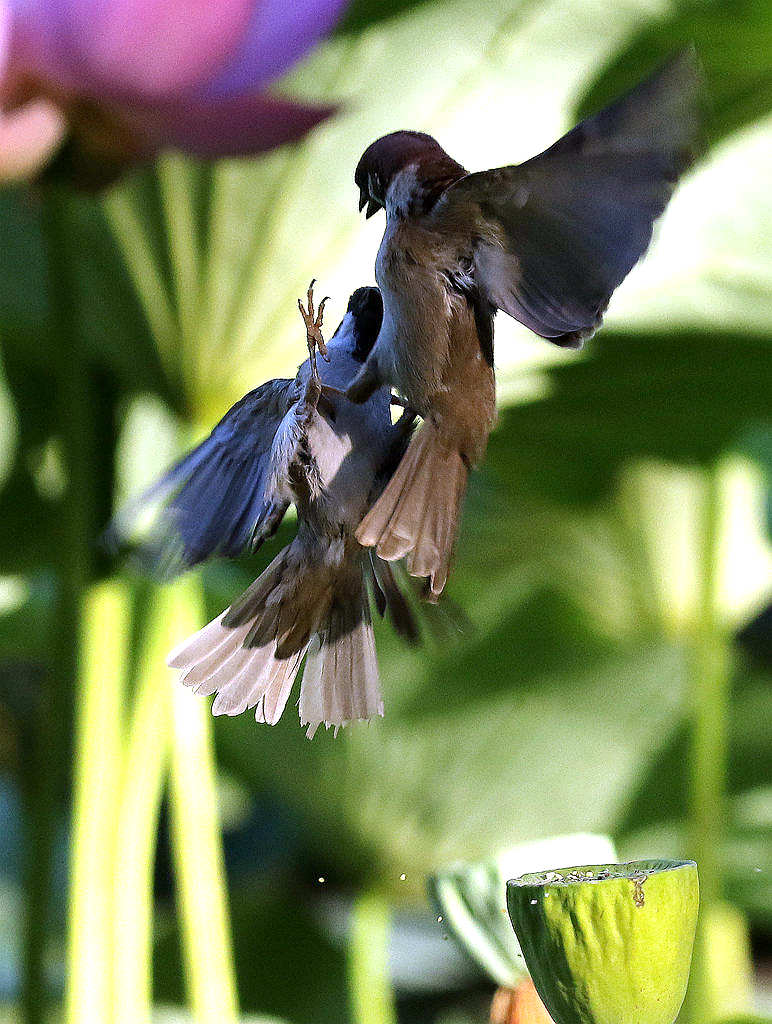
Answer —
293 442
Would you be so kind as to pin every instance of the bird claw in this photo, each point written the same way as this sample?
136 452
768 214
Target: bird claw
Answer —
313 321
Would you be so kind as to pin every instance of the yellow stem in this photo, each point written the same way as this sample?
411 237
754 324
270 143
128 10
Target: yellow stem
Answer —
91 947
197 847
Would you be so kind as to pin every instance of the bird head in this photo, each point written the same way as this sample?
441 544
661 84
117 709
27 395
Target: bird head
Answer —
385 158
366 309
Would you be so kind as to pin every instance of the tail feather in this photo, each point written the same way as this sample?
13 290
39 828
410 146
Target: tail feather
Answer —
223 675
275 697
445 525
256 596
195 647
418 512
340 680
223 648
245 689
394 601
250 655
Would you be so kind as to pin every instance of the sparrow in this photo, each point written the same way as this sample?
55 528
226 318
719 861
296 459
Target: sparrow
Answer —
293 442
546 241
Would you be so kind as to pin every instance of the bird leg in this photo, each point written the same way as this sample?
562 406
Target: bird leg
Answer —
406 421
314 340
333 392
363 385
313 322
366 383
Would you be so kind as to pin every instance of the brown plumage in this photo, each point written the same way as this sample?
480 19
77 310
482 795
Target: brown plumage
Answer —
305 604
547 241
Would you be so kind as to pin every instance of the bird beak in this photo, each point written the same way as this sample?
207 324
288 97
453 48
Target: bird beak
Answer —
363 198
373 206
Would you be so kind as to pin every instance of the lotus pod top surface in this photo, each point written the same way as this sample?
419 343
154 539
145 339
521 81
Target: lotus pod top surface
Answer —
608 943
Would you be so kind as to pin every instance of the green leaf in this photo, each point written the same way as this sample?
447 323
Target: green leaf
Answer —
363 14
29 525
658 798
733 39
558 752
112 322
683 396
746 1019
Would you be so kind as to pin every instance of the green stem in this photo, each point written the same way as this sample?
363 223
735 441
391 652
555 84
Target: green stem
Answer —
195 833
92 943
710 669
145 767
711 706
370 992
200 872
73 565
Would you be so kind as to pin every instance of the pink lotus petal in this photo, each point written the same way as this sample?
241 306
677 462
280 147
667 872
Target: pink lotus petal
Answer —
29 136
147 47
279 33
233 127
5 33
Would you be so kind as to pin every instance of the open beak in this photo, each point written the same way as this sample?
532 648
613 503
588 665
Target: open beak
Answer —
373 206
363 198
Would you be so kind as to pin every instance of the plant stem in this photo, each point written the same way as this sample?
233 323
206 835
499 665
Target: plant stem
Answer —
710 669
73 564
711 706
195 834
92 945
370 992
201 889
144 772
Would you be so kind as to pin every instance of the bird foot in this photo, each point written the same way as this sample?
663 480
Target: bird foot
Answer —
313 322
333 392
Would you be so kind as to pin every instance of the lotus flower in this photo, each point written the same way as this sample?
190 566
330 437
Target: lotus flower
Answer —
123 79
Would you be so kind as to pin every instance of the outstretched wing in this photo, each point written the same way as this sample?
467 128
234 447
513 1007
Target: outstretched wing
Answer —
217 500
556 235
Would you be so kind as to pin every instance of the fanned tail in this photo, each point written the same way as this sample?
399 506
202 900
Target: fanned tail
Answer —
417 515
250 655
340 680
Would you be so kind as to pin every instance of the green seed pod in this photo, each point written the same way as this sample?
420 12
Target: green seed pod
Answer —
608 943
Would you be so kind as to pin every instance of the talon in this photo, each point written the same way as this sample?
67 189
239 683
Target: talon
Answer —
313 321
318 329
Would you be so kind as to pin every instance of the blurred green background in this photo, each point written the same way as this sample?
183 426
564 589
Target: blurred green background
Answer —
615 567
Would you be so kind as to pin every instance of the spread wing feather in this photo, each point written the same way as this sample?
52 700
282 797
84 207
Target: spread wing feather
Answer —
217 500
556 235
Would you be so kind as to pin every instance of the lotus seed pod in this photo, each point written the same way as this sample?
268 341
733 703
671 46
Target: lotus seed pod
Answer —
608 943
